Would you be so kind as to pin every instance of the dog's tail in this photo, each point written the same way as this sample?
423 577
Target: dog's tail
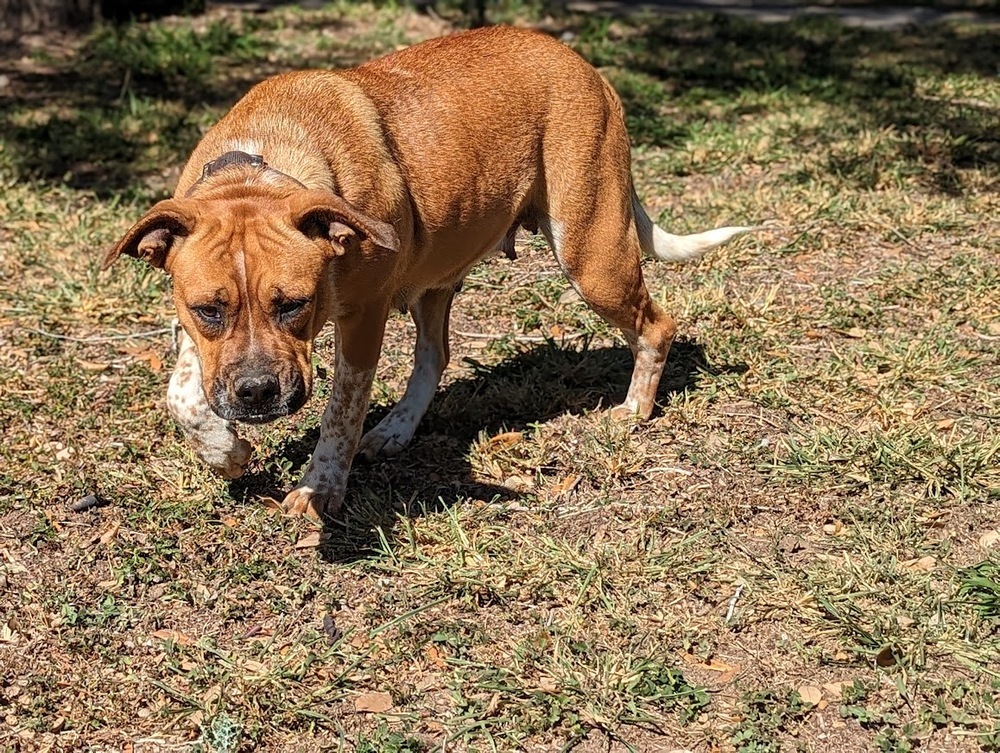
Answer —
668 247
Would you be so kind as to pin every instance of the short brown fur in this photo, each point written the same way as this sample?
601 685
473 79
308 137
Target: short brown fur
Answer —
383 186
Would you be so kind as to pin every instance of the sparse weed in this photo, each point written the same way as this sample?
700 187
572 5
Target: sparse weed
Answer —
979 585
222 734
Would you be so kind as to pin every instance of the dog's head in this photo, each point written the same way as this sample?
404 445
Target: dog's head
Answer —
252 284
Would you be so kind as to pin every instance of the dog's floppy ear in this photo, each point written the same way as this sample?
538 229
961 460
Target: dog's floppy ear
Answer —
320 214
152 236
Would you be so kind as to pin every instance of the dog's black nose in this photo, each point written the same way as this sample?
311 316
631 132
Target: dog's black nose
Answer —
256 390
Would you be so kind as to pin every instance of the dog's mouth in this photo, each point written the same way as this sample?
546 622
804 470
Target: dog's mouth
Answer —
257 418
243 416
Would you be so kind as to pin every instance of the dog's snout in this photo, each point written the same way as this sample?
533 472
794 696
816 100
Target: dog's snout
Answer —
256 390
257 394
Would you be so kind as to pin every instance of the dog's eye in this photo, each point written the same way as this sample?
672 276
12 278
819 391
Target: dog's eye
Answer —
211 315
288 310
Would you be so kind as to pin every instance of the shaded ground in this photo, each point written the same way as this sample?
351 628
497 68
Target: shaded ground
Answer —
798 552
868 15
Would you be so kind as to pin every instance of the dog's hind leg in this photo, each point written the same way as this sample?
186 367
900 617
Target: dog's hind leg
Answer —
602 261
394 432
213 439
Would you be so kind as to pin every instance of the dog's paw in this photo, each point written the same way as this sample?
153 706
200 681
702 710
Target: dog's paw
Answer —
310 503
388 438
230 460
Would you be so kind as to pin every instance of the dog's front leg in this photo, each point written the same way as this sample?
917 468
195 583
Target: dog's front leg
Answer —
212 438
394 432
324 483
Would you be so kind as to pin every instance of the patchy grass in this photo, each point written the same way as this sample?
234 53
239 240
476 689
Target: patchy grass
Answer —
798 552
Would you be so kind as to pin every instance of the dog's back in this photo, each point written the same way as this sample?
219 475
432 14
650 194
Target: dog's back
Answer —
520 109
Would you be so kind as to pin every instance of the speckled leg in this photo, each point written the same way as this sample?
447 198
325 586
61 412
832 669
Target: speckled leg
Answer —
324 483
213 439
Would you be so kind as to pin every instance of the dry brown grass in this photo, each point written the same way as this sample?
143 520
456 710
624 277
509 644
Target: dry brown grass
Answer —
779 560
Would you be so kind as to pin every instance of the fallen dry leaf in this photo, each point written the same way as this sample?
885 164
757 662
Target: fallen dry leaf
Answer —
810 695
373 703
152 359
506 439
836 689
8 634
519 483
920 564
567 485
108 536
727 677
836 528
569 296
312 540
712 665
92 365
181 639
433 655
211 695
945 424
990 539
855 333
548 684
886 657
12 566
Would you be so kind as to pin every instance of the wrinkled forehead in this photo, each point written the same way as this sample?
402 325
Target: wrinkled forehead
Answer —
255 251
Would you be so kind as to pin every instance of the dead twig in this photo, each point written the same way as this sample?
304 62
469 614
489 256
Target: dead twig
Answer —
102 339
732 603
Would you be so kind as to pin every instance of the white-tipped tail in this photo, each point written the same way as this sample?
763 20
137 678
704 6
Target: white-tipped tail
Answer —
668 247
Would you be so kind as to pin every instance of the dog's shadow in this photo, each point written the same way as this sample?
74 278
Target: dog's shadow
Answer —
434 472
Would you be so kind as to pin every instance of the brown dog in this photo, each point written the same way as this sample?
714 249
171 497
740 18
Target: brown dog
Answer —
343 194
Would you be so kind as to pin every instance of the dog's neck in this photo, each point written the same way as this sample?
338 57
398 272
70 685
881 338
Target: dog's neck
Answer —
233 159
